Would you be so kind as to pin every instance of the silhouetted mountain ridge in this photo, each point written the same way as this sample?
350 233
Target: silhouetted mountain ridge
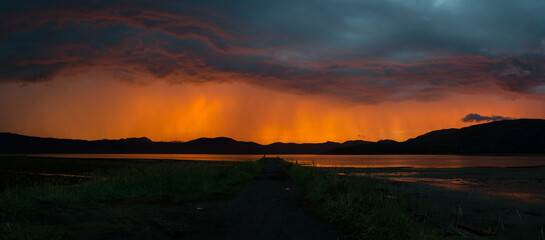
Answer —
141 139
14 143
521 136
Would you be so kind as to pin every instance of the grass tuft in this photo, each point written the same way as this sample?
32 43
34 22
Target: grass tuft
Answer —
25 231
180 181
359 204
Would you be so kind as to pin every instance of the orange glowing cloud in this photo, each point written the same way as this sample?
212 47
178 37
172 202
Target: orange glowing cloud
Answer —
179 70
95 109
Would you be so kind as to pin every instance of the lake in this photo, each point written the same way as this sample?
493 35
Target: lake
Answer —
372 161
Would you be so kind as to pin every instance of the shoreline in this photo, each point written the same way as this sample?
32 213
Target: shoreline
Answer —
503 202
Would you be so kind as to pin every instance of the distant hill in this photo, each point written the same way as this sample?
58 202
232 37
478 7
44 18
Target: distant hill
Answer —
14 143
522 136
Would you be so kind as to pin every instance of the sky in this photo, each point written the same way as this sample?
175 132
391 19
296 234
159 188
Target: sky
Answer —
268 71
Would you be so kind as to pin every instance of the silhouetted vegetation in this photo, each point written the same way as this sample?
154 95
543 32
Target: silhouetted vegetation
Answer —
20 231
175 180
359 204
178 180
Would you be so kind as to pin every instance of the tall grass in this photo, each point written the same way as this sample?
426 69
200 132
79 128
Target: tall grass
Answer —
359 204
17 231
179 181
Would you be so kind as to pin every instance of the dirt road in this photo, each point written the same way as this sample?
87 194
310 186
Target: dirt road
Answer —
270 207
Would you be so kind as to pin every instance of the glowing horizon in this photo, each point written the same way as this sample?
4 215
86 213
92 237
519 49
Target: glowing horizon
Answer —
267 71
93 109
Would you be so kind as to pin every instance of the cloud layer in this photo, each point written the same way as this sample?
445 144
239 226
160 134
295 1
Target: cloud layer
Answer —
362 51
474 117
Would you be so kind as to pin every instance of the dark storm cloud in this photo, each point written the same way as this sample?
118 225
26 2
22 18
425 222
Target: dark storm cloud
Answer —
524 73
365 51
474 117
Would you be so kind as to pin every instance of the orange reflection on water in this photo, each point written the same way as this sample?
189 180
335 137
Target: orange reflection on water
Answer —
387 174
415 161
310 164
525 197
497 188
60 175
452 184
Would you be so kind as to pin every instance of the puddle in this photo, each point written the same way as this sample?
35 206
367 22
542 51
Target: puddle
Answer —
525 190
391 174
452 184
59 175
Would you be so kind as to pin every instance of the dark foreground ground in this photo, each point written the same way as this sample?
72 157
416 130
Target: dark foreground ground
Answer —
471 202
471 214
460 203
270 207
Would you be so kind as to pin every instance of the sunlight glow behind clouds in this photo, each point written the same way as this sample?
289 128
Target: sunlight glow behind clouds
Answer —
328 69
95 109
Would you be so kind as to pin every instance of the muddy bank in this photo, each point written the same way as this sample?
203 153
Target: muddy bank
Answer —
466 213
497 202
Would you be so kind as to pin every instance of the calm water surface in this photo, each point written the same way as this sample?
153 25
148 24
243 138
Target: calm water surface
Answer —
415 161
